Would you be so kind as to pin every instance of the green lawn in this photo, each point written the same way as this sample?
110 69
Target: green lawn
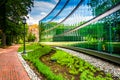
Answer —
29 46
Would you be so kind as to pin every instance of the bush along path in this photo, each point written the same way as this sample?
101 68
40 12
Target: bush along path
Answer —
55 64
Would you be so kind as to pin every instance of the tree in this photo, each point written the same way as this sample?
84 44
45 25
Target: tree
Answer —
10 17
31 37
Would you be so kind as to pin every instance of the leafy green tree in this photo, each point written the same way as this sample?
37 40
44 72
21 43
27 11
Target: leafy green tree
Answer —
31 37
10 18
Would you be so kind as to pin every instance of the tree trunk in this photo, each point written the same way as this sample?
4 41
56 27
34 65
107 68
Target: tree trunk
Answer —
3 39
3 23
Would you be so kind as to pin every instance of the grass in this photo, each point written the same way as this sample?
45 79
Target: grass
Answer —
30 46
33 56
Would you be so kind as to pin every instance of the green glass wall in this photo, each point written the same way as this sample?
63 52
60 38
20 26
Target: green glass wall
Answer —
101 35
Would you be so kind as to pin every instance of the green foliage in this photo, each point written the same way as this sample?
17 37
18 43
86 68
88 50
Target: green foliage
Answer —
34 56
78 66
75 65
20 41
29 46
10 18
31 37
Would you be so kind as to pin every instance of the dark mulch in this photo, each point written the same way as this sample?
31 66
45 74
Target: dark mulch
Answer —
56 68
40 75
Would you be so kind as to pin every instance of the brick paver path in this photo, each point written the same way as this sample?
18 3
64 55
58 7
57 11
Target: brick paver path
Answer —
10 66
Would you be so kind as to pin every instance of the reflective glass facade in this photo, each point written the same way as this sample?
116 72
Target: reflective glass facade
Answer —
83 27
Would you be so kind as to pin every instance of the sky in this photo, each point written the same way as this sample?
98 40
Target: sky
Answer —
43 7
40 10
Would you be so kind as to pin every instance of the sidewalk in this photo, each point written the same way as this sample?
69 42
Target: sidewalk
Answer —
10 66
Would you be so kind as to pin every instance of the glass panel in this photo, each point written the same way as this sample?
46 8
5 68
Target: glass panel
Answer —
102 35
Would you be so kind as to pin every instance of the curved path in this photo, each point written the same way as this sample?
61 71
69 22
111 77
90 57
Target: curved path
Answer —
10 66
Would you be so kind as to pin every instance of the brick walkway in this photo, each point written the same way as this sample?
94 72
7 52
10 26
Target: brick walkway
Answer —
10 66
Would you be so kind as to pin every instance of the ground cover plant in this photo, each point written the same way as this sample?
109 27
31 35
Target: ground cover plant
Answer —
55 64
79 67
33 57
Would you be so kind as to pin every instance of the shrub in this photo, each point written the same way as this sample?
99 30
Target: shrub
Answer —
31 37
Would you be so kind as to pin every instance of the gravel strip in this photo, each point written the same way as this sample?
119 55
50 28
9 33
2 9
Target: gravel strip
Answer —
103 65
30 72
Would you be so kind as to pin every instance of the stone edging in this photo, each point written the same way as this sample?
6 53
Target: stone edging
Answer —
29 71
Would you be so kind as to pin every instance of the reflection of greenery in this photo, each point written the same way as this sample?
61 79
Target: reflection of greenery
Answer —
46 26
100 6
99 35
95 35
59 30
118 31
